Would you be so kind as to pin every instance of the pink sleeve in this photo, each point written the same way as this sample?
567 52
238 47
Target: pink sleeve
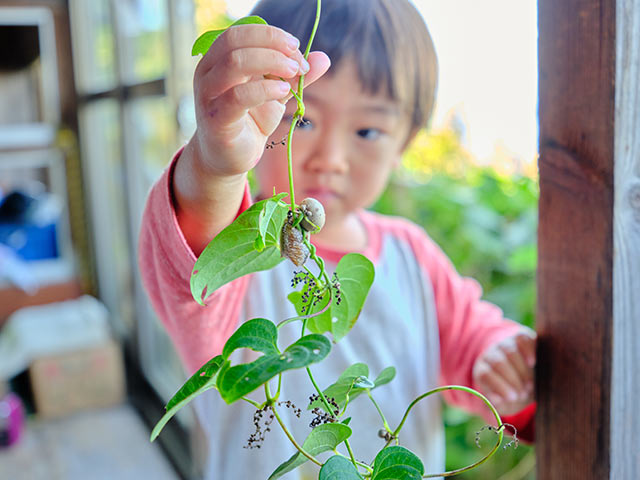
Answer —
166 261
468 325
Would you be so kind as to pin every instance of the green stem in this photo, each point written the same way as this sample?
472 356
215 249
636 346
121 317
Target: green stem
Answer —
300 111
351 455
286 431
472 392
279 385
384 420
320 394
325 402
314 29
255 404
292 127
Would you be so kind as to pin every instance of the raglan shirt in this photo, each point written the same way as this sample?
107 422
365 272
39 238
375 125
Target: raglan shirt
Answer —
420 316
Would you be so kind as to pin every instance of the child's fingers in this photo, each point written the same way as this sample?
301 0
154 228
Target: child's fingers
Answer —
517 360
250 36
235 102
239 66
319 63
268 116
496 388
499 375
526 343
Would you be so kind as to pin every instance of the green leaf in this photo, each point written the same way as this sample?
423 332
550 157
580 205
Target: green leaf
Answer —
258 334
343 387
385 376
339 468
204 41
232 253
236 381
397 463
355 273
323 438
352 383
267 212
202 380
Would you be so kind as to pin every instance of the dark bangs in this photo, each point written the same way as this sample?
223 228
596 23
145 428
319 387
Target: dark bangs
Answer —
386 39
347 29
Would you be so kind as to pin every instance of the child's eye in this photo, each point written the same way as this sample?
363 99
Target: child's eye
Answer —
305 124
369 133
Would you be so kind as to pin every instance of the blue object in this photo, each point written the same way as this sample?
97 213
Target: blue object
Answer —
29 241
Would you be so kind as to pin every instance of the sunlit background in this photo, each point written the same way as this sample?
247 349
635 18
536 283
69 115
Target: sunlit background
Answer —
92 107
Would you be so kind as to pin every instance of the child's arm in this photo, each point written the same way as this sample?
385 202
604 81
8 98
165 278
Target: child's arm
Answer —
476 341
238 105
239 101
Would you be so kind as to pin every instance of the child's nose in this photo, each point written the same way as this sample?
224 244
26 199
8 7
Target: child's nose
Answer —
329 156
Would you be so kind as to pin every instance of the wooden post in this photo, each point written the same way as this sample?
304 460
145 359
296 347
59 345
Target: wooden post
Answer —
588 380
625 388
575 237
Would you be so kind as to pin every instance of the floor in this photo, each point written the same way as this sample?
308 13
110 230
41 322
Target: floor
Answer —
109 444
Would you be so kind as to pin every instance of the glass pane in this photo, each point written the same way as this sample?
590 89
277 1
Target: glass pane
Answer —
107 190
143 39
152 124
94 45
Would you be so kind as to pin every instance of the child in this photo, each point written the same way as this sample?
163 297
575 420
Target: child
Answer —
420 316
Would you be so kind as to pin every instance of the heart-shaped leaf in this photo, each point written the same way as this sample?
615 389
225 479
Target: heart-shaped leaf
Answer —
202 380
232 253
385 376
339 468
352 383
258 334
344 387
204 41
323 438
397 463
236 381
355 273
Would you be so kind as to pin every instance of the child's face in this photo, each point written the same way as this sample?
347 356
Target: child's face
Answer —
345 155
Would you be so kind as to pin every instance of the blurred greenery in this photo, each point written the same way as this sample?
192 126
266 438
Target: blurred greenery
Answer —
486 222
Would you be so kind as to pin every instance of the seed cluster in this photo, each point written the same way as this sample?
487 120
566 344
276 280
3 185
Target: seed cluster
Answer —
335 283
289 404
262 421
301 277
311 296
274 144
321 416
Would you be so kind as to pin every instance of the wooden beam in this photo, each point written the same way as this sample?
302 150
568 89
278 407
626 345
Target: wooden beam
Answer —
575 272
625 393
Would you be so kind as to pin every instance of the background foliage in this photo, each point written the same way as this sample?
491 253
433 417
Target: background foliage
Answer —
485 220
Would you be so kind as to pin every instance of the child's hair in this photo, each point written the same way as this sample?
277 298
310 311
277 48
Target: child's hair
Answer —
387 39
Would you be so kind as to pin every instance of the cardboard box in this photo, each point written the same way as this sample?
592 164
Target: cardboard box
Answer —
67 382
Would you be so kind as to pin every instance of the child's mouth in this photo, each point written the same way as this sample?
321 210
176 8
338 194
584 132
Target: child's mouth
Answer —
323 195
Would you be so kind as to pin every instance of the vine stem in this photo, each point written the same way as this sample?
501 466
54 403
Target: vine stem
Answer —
300 111
384 420
472 392
286 431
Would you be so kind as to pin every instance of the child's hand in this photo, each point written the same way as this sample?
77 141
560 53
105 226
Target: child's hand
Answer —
504 372
239 96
